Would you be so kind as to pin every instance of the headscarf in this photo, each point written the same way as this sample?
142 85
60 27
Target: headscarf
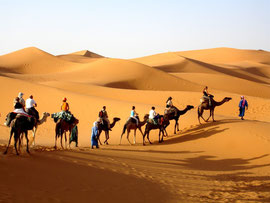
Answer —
95 124
20 94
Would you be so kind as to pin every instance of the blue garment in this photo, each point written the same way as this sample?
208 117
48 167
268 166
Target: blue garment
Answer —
242 107
94 137
132 113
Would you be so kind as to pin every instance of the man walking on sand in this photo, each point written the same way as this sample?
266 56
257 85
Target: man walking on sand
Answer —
243 105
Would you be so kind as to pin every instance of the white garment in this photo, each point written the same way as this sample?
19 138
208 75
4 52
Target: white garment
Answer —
30 103
20 111
169 103
152 114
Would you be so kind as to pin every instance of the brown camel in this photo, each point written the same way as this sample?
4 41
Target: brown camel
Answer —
19 126
102 126
205 106
151 126
171 116
132 125
62 127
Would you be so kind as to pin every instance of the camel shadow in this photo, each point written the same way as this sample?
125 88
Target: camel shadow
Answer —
198 132
154 151
209 163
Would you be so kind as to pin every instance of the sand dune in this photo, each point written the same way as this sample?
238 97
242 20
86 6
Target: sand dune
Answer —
221 161
33 61
227 55
84 56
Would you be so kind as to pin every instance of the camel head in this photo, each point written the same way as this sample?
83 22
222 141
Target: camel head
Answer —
190 107
146 116
227 99
115 119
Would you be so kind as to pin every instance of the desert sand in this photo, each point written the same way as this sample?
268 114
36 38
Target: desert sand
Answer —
223 161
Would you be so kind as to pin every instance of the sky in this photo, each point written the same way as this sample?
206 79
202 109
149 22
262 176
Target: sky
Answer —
129 29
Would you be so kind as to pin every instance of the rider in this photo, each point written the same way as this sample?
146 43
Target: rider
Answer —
206 95
153 116
104 116
18 109
30 107
169 107
65 106
21 100
134 115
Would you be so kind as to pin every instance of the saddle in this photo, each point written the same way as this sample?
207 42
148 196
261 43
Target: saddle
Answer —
205 99
156 121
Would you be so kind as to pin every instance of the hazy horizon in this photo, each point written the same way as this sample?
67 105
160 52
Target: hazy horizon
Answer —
123 29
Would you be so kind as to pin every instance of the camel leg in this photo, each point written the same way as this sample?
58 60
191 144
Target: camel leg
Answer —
65 140
144 137
128 131
166 132
34 135
213 116
61 139
134 138
20 142
148 137
141 132
121 138
11 133
55 140
16 137
69 136
27 142
209 116
99 138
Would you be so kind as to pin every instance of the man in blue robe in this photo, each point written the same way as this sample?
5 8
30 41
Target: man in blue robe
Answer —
94 135
243 105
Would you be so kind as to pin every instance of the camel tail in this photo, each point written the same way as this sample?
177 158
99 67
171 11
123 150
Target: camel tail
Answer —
124 129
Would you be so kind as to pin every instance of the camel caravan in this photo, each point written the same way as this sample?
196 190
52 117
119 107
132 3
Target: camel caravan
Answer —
25 117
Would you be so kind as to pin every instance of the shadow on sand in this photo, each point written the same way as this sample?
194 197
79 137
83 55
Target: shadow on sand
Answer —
198 132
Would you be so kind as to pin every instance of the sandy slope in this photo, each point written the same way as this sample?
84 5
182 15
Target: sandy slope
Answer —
227 160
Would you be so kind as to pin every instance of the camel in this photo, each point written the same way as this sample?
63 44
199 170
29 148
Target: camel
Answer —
19 126
131 125
102 126
151 126
62 127
205 106
171 116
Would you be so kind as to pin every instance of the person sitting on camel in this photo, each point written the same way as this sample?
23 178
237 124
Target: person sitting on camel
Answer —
153 116
21 100
134 115
18 109
103 115
170 108
65 105
207 96
30 105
